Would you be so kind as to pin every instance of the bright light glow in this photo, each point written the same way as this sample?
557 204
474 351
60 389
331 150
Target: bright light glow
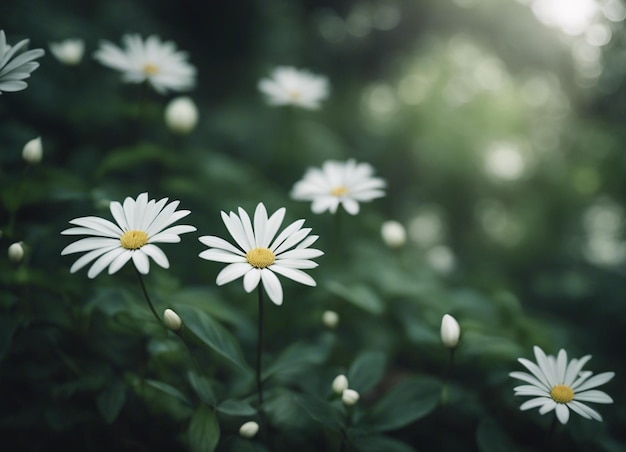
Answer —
572 16
504 161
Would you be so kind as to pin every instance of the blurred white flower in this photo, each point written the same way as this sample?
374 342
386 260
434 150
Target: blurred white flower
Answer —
260 256
172 320
558 385
290 86
345 183
181 115
441 259
14 69
349 397
33 151
16 252
450 331
393 234
340 384
330 319
158 63
249 429
69 51
140 224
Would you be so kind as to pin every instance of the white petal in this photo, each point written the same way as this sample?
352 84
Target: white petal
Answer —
232 272
548 406
156 254
217 242
351 206
291 229
260 224
292 273
141 261
221 256
103 261
272 286
574 368
530 379
561 365
90 256
307 253
578 410
544 365
105 227
119 261
593 396
273 224
247 226
296 263
251 280
324 203
179 229
129 212
562 413
587 409
88 244
535 371
533 403
118 213
292 240
530 390
594 381
235 228
162 237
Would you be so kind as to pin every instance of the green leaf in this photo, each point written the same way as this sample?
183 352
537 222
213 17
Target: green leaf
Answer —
320 410
236 408
111 400
298 355
168 389
378 443
213 335
203 388
204 430
408 401
366 371
359 295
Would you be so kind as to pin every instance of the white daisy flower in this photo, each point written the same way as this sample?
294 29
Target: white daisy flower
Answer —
260 256
14 69
338 183
140 224
158 63
290 86
557 385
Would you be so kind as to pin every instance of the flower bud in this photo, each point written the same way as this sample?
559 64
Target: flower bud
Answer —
16 252
350 397
69 52
33 151
393 233
340 384
249 429
172 320
330 319
181 115
450 331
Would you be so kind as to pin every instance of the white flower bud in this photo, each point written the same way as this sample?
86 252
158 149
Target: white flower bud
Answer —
181 115
450 331
340 384
33 151
16 252
249 429
393 233
172 320
69 52
350 397
330 319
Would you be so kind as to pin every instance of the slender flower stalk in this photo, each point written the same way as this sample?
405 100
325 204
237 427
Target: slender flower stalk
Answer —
259 350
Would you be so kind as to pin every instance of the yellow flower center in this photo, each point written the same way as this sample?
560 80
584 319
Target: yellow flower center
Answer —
150 69
260 257
132 240
339 191
294 94
562 394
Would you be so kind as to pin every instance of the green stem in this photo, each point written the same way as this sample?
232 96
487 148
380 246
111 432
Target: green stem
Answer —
446 377
145 293
259 349
550 437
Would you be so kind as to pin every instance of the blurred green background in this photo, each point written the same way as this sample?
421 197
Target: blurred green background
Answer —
498 126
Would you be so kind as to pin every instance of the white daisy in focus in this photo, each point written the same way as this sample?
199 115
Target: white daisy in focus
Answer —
140 224
345 183
558 385
152 61
290 86
14 69
69 51
259 256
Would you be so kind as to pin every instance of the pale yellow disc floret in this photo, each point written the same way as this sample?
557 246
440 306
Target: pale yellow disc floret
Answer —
260 257
134 239
150 69
562 394
339 191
